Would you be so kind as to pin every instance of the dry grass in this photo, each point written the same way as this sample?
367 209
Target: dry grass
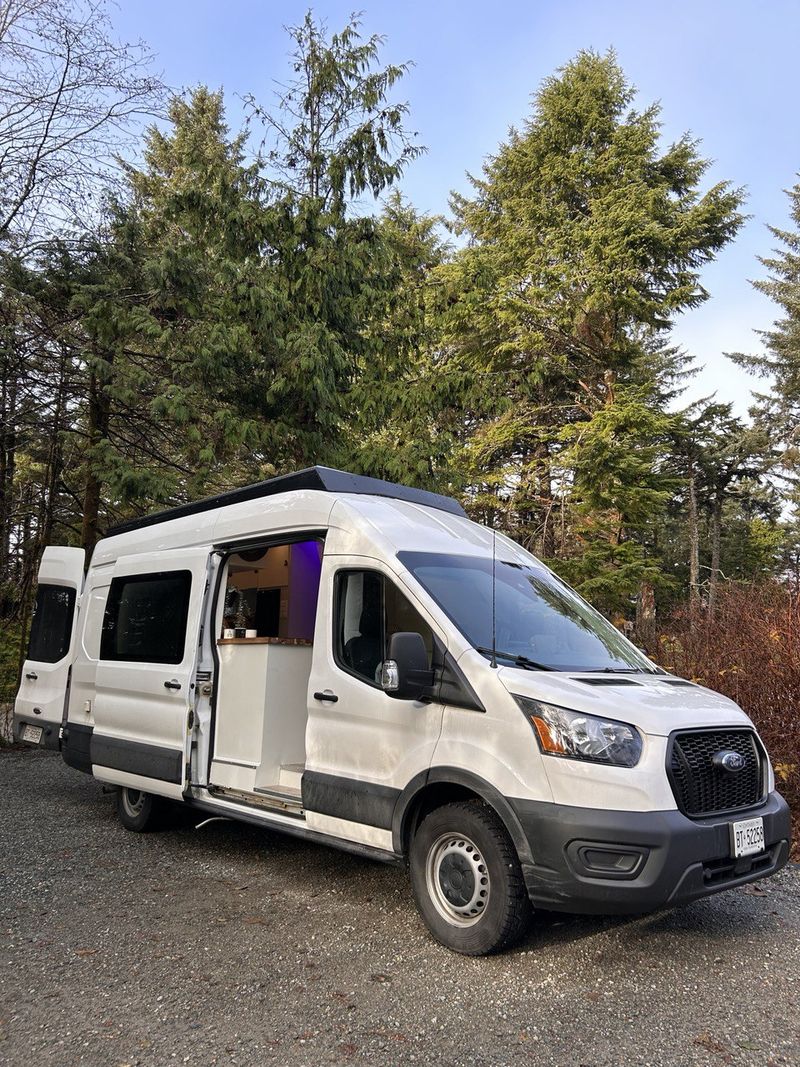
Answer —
748 649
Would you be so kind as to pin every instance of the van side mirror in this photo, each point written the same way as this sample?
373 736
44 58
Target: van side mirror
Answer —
405 673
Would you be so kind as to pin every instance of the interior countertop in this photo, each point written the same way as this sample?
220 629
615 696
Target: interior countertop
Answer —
264 641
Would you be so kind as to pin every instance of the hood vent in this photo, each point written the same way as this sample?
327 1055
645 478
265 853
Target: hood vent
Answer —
606 681
677 681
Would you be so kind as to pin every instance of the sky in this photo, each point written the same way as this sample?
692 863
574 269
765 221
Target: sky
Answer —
724 70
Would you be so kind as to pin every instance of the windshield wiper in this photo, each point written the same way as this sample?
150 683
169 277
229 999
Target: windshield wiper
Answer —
517 659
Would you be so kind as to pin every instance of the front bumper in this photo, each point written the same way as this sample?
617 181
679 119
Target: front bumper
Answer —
664 857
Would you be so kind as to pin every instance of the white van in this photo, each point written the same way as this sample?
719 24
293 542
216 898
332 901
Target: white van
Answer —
359 664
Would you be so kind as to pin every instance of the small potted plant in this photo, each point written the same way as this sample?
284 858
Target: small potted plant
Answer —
238 613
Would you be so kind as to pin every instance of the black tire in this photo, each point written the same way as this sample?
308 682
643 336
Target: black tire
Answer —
467 880
138 811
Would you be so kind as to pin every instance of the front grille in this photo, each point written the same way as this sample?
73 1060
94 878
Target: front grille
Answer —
718 872
700 788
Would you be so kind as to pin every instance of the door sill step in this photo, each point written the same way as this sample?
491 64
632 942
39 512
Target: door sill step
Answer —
286 793
285 801
290 778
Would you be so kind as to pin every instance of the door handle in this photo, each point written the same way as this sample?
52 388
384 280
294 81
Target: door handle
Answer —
330 697
172 685
32 675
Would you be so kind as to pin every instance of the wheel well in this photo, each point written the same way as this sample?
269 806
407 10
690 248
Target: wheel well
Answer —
446 791
427 800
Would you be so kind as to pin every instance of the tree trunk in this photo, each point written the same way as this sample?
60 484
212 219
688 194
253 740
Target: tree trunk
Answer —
716 536
4 494
98 417
91 512
27 564
694 543
55 456
544 488
8 457
646 614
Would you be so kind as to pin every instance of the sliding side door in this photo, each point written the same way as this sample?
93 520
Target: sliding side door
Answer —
145 693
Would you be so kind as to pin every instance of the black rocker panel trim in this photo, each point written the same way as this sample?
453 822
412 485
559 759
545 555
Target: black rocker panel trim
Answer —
255 818
386 807
149 761
349 798
325 479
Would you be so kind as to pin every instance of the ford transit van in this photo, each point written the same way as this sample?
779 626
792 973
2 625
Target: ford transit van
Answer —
357 663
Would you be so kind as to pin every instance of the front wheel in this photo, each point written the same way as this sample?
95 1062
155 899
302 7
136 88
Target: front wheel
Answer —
467 880
139 811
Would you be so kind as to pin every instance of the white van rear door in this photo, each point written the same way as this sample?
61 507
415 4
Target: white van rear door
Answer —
144 702
40 703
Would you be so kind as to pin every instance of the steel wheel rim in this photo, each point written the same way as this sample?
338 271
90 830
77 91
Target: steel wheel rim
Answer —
133 801
457 879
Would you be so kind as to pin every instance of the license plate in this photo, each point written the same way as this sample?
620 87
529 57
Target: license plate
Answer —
747 837
31 733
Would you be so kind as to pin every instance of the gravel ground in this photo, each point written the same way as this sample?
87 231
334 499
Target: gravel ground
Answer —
233 945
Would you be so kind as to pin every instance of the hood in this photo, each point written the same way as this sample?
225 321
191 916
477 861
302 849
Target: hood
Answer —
656 703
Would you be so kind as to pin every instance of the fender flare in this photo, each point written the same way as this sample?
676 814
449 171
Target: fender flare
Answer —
457 776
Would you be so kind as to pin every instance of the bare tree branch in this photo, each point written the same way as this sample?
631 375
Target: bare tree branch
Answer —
71 99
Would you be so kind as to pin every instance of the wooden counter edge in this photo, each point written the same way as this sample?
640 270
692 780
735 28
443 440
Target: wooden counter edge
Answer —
300 641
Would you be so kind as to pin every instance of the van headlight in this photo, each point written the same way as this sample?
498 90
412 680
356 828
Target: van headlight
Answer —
576 735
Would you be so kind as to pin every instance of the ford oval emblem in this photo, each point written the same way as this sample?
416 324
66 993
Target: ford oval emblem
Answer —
729 761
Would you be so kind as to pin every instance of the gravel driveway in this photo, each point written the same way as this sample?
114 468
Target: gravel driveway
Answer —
233 945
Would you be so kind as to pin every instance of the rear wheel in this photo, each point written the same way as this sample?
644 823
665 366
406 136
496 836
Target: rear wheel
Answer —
467 880
139 811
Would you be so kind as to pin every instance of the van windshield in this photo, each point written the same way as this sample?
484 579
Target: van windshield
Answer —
540 622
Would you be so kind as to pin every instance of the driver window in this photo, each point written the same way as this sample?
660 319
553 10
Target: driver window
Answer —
369 609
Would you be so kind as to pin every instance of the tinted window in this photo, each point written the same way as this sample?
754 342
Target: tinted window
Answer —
536 615
145 618
51 626
369 609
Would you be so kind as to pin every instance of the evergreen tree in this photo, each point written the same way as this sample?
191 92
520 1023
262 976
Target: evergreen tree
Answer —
779 409
720 462
178 318
334 134
332 137
403 410
620 485
585 240
734 454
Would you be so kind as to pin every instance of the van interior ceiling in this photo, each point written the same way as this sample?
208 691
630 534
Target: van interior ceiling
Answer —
265 634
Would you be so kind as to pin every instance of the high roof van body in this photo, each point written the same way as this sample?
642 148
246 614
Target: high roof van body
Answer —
359 664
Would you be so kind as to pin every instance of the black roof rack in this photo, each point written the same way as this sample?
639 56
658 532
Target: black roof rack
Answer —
325 479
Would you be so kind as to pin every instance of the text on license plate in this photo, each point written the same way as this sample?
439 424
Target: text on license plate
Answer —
747 837
31 733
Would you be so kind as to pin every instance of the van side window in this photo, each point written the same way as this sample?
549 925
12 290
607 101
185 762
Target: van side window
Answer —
368 610
51 627
145 618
